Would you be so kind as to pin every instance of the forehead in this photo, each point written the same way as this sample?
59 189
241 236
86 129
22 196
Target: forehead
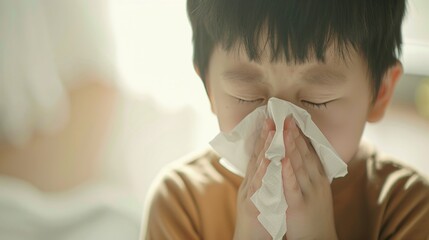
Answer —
235 66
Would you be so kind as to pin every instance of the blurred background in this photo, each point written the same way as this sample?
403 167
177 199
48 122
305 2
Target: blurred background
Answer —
97 96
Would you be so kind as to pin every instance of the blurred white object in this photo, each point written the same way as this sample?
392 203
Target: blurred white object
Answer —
50 51
45 47
92 212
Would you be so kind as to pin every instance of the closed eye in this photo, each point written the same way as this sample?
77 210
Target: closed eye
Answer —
240 100
316 105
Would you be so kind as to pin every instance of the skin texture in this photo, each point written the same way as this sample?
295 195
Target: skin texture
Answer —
336 93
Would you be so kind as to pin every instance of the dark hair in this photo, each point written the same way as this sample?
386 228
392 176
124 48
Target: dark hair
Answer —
298 29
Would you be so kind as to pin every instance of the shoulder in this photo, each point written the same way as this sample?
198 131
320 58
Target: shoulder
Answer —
400 193
185 192
195 173
378 170
394 176
381 177
381 197
197 176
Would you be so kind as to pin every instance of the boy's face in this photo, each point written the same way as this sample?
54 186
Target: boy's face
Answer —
337 94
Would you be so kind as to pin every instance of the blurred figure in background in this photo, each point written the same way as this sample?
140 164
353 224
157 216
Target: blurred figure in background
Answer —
58 97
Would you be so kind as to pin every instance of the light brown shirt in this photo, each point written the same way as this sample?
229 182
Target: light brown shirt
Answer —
378 199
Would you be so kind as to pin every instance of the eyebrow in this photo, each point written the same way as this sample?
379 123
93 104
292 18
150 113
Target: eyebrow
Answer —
324 77
321 77
245 75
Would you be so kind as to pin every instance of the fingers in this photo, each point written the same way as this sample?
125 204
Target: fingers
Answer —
291 187
262 144
252 165
296 162
256 181
255 159
303 160
247 225
308 154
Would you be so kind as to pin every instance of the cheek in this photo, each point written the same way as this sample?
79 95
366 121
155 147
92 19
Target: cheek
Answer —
344 130
229 113
345 139
228 119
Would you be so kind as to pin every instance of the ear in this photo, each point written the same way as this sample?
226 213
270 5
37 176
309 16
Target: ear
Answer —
385 93
206 82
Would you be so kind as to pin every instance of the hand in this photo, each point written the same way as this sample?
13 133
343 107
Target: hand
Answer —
247 224
307 189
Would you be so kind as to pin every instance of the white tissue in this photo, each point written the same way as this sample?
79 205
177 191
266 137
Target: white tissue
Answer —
236 148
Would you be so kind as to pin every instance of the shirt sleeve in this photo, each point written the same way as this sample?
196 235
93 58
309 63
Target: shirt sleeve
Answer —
172 210
407 211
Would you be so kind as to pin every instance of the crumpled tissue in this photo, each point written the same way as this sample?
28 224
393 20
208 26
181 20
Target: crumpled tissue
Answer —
236 148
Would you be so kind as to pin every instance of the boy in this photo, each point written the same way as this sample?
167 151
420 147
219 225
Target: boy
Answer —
339 61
